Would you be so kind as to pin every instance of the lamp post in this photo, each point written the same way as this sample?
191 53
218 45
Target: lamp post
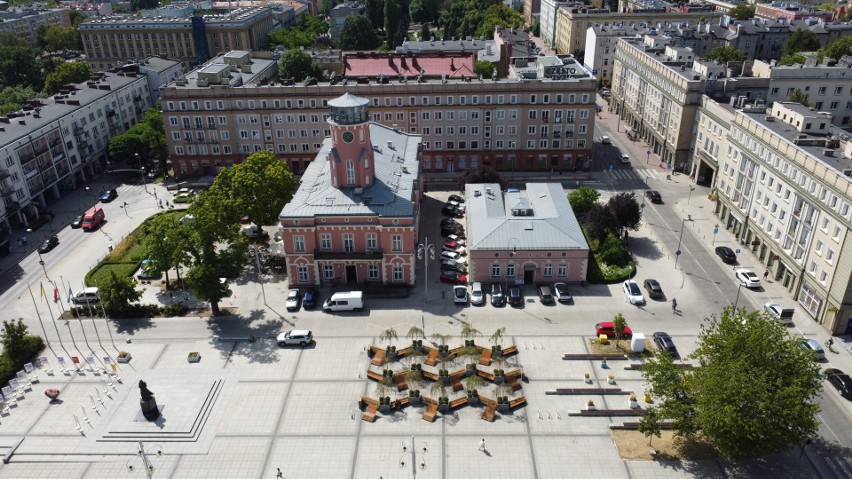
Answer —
426 251
424 446
259 271
737 300
513 249
679 241
147 466
691 189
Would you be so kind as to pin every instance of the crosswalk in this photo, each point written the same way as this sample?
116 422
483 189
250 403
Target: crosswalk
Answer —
637 174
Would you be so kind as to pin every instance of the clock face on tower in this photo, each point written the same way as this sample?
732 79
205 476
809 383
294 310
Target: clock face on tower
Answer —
348 136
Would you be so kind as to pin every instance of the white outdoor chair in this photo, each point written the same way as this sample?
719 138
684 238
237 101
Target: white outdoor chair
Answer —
4 408
16 388
62 367
31 374
90 363
45 365
24 381
8 395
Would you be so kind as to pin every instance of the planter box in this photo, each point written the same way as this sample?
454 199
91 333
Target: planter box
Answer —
193 359
499 379
415 400
443 408
444 379
384 409
502 407
473 400
125 359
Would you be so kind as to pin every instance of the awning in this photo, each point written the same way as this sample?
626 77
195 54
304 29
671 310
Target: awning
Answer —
736 217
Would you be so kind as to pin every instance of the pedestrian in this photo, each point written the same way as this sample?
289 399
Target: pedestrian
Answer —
24 240
482 444
766 274
155 194
125 204
674 306
20 243
279 473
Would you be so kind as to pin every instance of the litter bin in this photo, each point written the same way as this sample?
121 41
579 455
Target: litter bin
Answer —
109 247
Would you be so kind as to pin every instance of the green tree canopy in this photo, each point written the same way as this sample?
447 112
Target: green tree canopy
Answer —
465 17
168 243
357 34
425 32
146 138
118 293
582 200
500 14
13 97
423 11
298 65
396 22
799 96
13 339
260 186
58 38
827 7
742 12
838 48
626 211
753 392
376 13
484 68
724 54
18 64
794 59
67 72
303 34
801 41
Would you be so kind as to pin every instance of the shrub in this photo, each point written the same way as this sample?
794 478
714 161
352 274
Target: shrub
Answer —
613 251
30 348
175 310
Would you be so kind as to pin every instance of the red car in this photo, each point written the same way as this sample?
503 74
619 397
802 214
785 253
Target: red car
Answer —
453 277
608 328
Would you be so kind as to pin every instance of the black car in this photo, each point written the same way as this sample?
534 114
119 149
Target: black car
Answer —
451 211
446 222
841 381
653 288
310 299
654 196
516 297
545 294
456 198
497 296
664 342
108 196
48 244
450 265
77 222
727 254
458 231
453 277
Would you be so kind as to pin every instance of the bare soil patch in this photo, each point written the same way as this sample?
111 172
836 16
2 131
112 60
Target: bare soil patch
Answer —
633 445
621 347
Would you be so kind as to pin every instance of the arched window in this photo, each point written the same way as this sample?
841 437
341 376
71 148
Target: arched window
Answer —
350 172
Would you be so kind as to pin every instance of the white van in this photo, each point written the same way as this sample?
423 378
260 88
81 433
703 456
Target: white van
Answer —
87 296
344 301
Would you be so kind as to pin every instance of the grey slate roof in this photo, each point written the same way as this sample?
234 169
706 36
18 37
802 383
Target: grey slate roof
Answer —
390 195
551 224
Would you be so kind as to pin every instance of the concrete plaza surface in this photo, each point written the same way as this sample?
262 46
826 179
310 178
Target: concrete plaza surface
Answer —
249 408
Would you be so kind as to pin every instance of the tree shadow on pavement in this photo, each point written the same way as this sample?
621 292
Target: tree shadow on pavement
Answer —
131 325
226 330
643 247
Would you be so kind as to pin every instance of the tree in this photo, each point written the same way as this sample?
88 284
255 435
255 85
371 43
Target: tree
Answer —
725 54
396 22
498 15
484 68
801 41
303 34
579 55
260 187
798 96
13 97
536 28
838 48
626 211
753 392
167 243
13 339
57 37
794 59
144 4
67 72
599 221
18 64
425 32
742 12
357 34
481 174
423 11
827 7
582 200
117 293
618 325
298 65
376 13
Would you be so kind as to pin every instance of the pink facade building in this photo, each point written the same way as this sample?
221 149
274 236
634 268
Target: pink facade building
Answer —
355 216
524 236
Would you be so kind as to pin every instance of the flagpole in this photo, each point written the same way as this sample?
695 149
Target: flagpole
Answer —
81 321
39 317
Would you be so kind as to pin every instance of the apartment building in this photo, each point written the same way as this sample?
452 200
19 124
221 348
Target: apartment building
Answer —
338 15
790 11
539 118
159 71
828 87
355 216
573 21
53 144
784 188
532 8
24 21
113 40
548 21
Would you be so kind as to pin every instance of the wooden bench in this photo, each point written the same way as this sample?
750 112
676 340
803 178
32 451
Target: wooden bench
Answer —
378 357
399 380
370 414
430 412
400 403
374 376
517 402
366 401
489 412
485 359
455 381
429 375
485 375
404 352
512 380
510 350
457 403
432 358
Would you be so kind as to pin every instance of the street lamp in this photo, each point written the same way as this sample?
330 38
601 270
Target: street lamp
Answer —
424 448
691 189
259 271
147 466
426 251
737 300
679 241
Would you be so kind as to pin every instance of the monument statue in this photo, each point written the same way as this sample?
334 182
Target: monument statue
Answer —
148 403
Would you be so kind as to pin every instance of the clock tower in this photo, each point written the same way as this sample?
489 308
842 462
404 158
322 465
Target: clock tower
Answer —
351 158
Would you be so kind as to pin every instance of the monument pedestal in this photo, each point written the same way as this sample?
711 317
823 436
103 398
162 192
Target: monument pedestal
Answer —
149 409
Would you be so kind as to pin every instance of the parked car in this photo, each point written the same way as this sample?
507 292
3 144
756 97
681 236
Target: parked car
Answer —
454 230
77 222
664 341
605 140
109 195
497 296
516 296
747 278
544 294
449 222
654 196
727 254
477 295
608 328
294 297
453 256
87 296
457 239
841 381
460 294
184 195
148 270
453 277
653 288
632 292
451 265
782 314
48 244
302 337
310 299
452 211
563 295
625 158
456 198
454 247
813 345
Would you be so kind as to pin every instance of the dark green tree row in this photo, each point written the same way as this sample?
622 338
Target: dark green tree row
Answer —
147 138
304 33
477 18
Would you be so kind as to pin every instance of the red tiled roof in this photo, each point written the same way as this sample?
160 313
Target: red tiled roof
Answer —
454 66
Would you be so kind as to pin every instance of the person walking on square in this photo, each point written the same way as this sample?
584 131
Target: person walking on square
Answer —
482 444
674 306
279 473
766 274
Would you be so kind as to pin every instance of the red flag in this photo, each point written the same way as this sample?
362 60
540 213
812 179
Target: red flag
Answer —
55 294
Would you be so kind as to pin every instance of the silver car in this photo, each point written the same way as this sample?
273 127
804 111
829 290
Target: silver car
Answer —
477 296
302 337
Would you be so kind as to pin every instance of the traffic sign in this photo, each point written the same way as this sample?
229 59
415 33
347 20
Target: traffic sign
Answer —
648 152
677 253
611 167
715 230
737 251
41 262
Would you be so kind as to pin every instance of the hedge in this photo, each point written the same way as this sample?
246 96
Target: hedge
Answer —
9 367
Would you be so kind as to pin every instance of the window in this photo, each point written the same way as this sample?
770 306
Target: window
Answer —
348 242
397 273
396 243
350 172
303 274
299 243
562 271
328 271
325 241
372 244
548 270
495 270
829 257
510 270
373 272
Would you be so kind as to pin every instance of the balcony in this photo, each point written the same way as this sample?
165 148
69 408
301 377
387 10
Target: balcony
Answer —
7 191
4 173
349 255
12 206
